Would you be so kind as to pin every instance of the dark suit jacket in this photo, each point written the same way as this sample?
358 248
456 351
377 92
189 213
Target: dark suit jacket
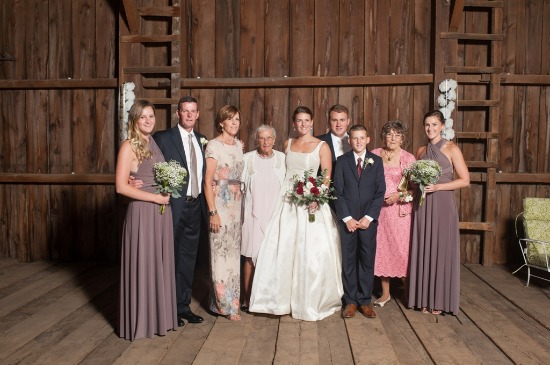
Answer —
357 197
328 139
171 145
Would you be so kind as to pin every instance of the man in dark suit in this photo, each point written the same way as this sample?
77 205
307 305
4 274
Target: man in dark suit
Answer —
337 138
183 144
359 188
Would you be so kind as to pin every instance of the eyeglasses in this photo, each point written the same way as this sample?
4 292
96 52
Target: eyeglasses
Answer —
394 135
268 139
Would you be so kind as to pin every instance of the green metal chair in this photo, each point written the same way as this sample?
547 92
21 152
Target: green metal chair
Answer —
535 247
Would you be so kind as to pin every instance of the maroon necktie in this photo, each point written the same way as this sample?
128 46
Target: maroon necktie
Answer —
359 167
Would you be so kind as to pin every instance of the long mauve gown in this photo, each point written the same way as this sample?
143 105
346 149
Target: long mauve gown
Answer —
435 255
147 279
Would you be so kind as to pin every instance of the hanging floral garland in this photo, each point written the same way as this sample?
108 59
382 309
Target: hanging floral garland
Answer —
127 99
447 103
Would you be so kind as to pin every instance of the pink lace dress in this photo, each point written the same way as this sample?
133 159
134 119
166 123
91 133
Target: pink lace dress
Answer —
394 225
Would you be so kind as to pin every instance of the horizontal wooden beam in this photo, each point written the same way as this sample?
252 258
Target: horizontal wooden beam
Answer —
476 226
62 179
149 38
465 103
151 69
510 79
472 36
476 135
58 84
473 70
483 4
481 164
170 11
512 178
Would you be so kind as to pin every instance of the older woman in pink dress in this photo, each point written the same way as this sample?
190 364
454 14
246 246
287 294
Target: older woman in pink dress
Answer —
263 175
394 228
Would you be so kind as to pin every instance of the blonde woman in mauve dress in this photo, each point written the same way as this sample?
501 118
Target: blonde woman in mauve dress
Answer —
147 281
435 244
222 186
394 228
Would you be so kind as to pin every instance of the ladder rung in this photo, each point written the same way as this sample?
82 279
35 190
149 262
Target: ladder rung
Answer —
473 70
476 226
151 69
172 11
483 4
476 135
143 38
481 164
460 103
472 36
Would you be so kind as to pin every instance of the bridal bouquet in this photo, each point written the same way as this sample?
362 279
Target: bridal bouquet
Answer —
309 189
423 172
169 178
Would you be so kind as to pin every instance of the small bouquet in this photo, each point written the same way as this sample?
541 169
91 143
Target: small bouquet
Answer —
309 190
423 172
169 178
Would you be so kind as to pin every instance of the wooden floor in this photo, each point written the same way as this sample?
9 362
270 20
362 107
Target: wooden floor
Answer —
65 314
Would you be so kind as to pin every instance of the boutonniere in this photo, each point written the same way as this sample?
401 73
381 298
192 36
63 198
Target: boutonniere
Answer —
369 161
203 141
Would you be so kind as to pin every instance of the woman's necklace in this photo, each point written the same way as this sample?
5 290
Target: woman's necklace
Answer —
389 156
265 157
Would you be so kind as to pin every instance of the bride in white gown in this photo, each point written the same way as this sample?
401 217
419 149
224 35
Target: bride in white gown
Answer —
298 270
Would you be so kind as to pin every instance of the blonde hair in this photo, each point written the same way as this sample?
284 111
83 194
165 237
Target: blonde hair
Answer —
137 142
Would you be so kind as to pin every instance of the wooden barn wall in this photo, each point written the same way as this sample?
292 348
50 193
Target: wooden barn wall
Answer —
68 130
59 130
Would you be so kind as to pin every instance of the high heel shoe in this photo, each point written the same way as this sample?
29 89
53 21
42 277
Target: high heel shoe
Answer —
382 303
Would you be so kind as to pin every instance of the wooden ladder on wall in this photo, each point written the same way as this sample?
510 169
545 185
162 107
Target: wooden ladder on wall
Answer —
140 35
446 67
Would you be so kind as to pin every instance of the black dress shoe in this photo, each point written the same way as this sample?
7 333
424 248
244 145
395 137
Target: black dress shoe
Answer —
191 317
244 308
181 322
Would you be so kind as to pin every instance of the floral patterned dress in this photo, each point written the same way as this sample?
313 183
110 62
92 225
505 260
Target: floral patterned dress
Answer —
225 244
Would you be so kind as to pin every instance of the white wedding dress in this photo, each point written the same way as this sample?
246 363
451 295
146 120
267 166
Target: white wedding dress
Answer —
298 270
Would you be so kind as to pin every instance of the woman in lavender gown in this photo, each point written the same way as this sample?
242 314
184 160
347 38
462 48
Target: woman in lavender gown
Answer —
434 267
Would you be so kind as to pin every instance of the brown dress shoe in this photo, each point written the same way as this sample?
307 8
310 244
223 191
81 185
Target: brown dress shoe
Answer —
349 311
368 311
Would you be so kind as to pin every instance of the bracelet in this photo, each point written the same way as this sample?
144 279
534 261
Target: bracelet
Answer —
401 195
213 213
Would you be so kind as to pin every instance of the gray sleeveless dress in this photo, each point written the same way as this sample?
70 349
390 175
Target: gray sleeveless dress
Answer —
434 268
147 274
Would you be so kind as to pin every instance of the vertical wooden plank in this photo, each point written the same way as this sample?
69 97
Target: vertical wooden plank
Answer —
544 119
327 49
422 64
251 65
351 51
105 128
277 26
382 67
302 35
59 129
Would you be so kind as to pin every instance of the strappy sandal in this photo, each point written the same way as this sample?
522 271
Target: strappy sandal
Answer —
435 312
425 310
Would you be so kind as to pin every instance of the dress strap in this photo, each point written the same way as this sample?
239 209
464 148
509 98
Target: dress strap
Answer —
288 146
318 147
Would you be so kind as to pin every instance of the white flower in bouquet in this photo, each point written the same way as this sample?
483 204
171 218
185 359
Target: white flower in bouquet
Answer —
423 172
169 177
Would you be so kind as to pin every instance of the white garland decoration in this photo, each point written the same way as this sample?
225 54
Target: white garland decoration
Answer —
447 104
127 99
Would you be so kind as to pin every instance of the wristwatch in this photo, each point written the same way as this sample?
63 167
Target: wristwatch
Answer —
213 212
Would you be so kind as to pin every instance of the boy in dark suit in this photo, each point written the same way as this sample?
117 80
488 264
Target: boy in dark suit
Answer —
359 188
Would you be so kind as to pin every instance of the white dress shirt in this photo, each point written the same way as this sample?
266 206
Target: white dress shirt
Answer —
341 145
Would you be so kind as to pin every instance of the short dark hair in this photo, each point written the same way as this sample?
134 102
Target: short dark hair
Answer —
434 113
358 127
187 99
302 109
338 108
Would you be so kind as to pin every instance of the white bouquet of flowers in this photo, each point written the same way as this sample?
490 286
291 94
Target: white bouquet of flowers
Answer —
309 190
423 172
169 178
